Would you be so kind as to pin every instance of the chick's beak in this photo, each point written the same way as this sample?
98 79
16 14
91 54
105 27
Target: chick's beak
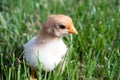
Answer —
72 31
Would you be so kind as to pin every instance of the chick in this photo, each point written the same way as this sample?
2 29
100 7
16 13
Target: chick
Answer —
48 48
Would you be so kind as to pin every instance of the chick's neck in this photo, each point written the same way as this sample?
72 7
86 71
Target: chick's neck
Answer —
45 37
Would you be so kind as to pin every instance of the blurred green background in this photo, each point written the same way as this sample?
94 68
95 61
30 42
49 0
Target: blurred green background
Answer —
94 54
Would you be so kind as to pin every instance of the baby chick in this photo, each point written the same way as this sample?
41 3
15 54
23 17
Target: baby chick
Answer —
47 48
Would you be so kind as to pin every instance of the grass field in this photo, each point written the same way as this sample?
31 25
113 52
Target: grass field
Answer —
94 54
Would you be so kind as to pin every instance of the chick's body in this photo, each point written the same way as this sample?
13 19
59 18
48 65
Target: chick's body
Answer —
49 54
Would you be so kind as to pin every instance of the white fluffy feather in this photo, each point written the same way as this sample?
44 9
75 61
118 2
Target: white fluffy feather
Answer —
49 54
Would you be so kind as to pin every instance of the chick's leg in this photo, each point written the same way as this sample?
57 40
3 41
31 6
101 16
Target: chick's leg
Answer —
32 74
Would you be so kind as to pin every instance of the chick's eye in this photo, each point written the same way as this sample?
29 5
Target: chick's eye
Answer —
61 26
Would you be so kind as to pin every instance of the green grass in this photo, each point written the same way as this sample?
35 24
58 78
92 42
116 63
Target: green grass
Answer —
94 54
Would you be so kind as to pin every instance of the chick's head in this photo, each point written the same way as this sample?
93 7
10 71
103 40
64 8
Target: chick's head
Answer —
59 25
